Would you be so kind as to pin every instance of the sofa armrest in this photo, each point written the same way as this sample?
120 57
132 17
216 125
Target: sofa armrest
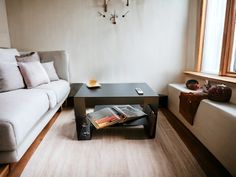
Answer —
60 59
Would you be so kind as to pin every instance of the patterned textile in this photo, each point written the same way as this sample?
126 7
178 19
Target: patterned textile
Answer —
189 103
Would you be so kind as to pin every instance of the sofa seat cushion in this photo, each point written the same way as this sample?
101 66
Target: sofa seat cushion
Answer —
52 97
20 110
61 88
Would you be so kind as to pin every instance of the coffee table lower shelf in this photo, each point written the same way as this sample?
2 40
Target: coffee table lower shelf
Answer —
85 127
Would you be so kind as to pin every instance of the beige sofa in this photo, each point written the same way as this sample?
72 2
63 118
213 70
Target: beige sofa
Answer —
214 125
25 112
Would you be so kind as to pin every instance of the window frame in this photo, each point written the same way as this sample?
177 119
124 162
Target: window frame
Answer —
228 38
201 34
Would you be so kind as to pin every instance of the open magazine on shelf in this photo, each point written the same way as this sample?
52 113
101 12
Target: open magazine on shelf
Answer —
116 114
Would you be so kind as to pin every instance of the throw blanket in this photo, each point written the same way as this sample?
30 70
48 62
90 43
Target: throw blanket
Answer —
189 103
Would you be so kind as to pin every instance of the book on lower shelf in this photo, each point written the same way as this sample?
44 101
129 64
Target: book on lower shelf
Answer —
115 114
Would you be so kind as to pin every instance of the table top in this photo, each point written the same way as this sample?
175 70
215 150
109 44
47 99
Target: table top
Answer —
115 90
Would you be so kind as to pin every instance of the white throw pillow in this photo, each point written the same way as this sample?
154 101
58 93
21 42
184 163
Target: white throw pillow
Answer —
33 73
50 69
10 77
28 57
8 55
10 51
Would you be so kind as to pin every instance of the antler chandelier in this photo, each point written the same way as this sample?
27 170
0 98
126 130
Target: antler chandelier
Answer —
113 16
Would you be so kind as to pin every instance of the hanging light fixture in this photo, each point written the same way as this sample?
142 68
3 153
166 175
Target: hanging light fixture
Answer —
113 16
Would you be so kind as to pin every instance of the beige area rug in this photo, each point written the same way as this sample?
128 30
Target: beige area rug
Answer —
112 152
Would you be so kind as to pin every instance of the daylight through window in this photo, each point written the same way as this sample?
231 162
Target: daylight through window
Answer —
218 54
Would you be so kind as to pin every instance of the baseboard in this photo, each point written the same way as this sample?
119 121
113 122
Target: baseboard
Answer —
208 162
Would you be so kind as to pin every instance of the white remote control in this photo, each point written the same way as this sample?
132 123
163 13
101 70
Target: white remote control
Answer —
139 91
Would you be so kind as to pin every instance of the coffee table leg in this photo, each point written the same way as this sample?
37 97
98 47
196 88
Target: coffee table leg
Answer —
82 123
83 128
152 121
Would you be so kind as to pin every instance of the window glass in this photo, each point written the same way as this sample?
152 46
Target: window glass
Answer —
233 60
214 28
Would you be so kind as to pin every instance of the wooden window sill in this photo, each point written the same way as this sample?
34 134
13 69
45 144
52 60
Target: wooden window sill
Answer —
211 77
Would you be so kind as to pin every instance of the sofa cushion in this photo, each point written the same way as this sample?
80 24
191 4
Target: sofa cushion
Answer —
52 97
50 69
11 51
8 55
20 110
10 77
60 87
33 73
60 62
28 57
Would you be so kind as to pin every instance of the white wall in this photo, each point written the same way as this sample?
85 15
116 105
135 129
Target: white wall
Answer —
149 44
4 33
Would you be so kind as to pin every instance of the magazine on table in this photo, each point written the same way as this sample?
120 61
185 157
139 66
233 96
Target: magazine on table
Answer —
116 114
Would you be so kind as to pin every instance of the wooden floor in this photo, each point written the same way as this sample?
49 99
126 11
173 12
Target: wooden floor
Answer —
132 154
207 162
4 170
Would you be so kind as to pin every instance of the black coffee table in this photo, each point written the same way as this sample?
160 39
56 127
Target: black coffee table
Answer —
114 93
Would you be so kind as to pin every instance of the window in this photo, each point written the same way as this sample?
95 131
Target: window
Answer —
217 42
232 59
